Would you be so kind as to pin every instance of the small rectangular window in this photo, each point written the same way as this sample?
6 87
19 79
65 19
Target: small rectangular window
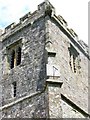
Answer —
14 87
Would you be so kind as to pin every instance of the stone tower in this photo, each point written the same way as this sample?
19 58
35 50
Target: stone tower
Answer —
43 68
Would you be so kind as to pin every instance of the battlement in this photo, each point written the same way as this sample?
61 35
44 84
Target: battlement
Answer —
9 27
45 8
62 20
25 17
84 45
72 32
44 68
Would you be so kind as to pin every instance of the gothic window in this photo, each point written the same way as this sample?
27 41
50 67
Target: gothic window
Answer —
73 58
15 57
14 89
14 54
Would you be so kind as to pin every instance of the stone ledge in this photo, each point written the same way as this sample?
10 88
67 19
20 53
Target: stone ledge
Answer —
75 106
55 82
19 100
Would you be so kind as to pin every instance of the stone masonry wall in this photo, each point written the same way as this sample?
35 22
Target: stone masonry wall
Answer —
29 75
69 112
44 74
75 85
54 97
33 107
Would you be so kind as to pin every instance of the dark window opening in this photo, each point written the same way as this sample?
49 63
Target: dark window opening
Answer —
70 61
12 59
18 56
74 64
14 89
51 54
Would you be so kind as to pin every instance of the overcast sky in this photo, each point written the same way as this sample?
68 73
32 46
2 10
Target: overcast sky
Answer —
75 12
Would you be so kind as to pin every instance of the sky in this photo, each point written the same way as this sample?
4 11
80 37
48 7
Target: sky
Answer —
75 12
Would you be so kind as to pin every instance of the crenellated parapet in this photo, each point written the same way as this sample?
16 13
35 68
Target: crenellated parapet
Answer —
25 17
44 9
84 45
62 20
72 32
44 68
9 27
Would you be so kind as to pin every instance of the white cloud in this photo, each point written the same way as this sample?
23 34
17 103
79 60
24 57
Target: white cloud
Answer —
75 13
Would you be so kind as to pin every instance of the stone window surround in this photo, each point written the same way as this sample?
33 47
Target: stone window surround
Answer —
14 50
74 58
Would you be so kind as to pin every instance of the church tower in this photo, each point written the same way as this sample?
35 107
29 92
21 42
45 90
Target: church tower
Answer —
43 68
